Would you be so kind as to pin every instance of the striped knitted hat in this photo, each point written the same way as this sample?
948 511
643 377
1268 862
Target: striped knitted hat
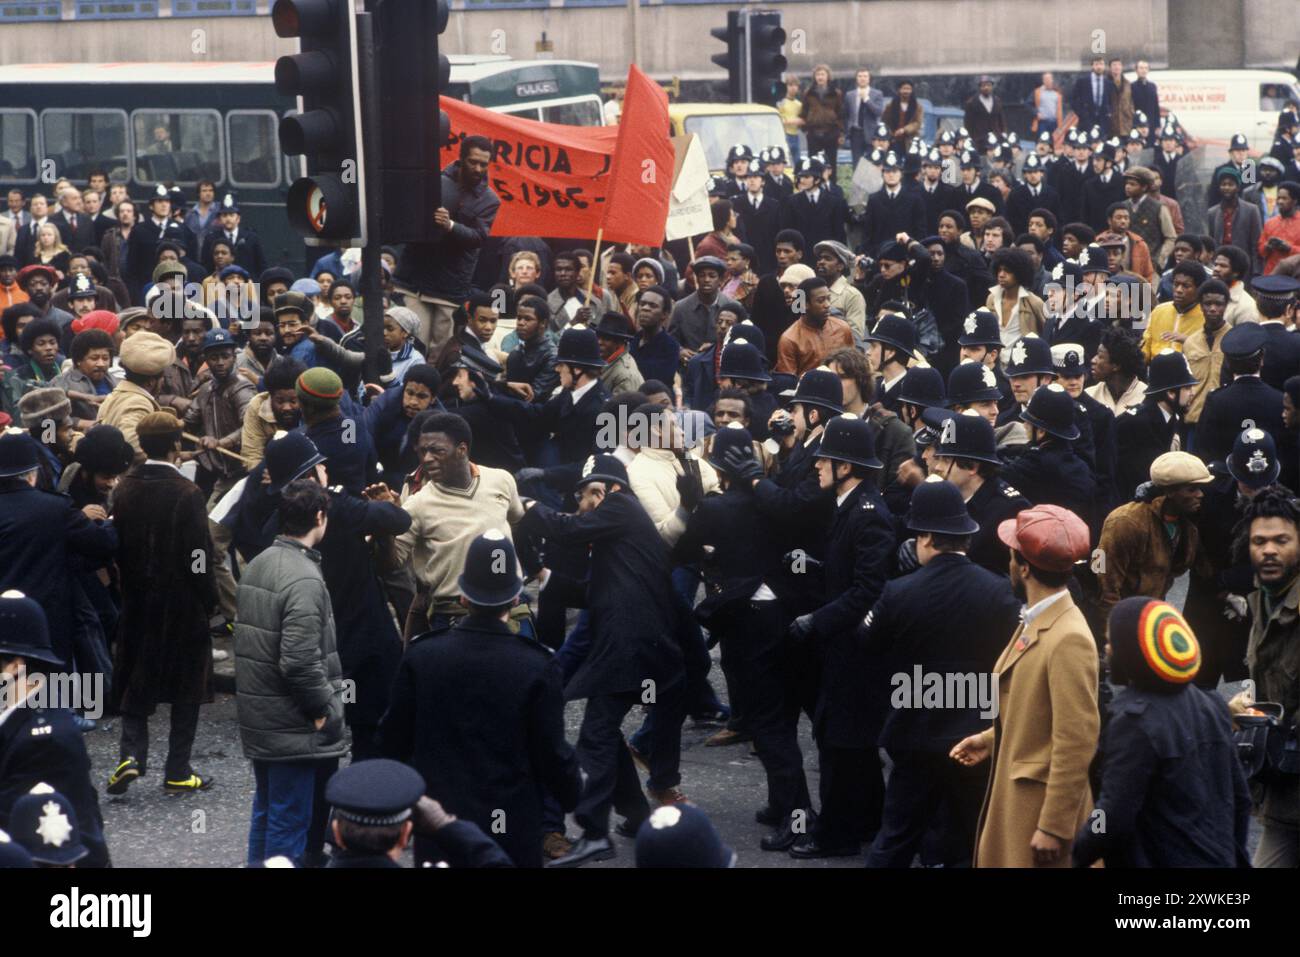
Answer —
319 384
1151 645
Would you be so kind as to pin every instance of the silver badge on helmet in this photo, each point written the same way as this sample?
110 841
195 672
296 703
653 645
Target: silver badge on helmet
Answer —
972 323
1257 462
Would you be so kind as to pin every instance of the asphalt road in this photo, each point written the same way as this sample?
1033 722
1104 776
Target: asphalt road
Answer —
148 828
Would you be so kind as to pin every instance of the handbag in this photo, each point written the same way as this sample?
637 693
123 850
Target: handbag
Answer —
1268 749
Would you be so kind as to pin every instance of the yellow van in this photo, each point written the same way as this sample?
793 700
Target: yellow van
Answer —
720 126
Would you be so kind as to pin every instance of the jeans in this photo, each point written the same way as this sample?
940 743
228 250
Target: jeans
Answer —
282 810
792 145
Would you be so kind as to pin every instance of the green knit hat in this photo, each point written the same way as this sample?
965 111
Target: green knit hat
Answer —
320 386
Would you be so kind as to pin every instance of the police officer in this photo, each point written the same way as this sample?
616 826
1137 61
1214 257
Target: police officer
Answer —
1050 472
793 504
379 803
1029 367
39 740
1246 402
681 836
858 552
973 386
909 632
45 823
738 160
244 243
1147 431
478 710
632 641
151 230
1275 298
729 537
922 388
741 366
967 457
981 341
891 346
1071 364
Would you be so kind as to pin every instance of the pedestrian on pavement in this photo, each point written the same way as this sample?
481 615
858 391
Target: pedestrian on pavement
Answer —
1173 793
164 648
288 677
1045 734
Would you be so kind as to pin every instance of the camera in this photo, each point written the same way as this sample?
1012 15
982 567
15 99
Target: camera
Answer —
781 427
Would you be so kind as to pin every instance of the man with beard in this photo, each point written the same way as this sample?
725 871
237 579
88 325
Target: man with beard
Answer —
1272 523
1149 543
1144 433
38 282
256 356
271 411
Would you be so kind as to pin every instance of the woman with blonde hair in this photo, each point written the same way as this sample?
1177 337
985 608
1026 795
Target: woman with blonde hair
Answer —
50 250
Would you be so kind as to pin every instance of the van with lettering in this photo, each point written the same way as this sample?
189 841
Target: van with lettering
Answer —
1212 105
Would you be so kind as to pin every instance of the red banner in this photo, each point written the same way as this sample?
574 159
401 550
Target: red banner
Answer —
642 180
553 179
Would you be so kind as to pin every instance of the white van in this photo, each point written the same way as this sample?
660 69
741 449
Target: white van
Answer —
1212 105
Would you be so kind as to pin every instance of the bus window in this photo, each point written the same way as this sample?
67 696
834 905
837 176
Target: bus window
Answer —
254 148
18 146
179 146
579 113
81 140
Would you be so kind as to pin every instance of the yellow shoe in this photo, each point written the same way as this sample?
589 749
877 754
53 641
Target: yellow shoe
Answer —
122 776
191 783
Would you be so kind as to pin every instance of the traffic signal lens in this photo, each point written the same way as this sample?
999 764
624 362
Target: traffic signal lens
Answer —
284 17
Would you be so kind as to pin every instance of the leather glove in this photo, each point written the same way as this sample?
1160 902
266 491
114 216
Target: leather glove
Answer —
742 465
907 560
801 628
1146 492
529 475
690 487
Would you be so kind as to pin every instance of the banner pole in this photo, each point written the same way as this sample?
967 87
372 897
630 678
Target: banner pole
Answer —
595 264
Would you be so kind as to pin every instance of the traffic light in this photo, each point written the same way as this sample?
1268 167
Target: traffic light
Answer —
766 63
734 37
327 205
412 75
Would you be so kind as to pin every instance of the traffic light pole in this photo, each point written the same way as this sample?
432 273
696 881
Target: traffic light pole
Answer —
378 361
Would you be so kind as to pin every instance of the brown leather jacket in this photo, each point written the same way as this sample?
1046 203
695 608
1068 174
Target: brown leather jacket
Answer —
1136 557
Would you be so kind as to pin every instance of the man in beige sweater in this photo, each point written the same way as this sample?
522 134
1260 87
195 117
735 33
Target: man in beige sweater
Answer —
455 503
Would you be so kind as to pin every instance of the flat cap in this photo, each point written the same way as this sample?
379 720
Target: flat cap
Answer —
1179 468
147 353
162 422
1050 537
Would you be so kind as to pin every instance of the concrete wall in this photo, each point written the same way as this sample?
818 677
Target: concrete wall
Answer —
892 36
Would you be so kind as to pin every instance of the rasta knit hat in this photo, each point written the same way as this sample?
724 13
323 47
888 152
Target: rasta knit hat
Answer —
1151 645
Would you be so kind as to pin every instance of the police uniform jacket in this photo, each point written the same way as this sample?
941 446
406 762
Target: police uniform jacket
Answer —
911 625
1098 194
798 512
1141 436
859 555
824 219
936 201
1104 451
1021 202
634 612
1052 474
458 844
1069 183
573 426
761 225
1281 355
993 503
142 253
1172 787
886 218
478 711
1246 398
247 249
44 745
40 532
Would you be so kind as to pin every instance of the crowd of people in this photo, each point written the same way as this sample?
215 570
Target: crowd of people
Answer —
931 491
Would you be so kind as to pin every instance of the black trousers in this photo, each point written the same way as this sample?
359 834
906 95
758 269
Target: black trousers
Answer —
180 741
852 791
762 664
929 794
612 779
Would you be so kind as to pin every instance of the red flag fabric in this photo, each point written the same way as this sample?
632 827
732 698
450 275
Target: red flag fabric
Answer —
636 204
552 179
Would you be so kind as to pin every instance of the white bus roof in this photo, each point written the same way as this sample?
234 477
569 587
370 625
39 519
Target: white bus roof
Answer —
465 68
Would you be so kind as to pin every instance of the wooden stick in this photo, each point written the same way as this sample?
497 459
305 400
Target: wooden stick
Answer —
198 441
595 264
690 244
